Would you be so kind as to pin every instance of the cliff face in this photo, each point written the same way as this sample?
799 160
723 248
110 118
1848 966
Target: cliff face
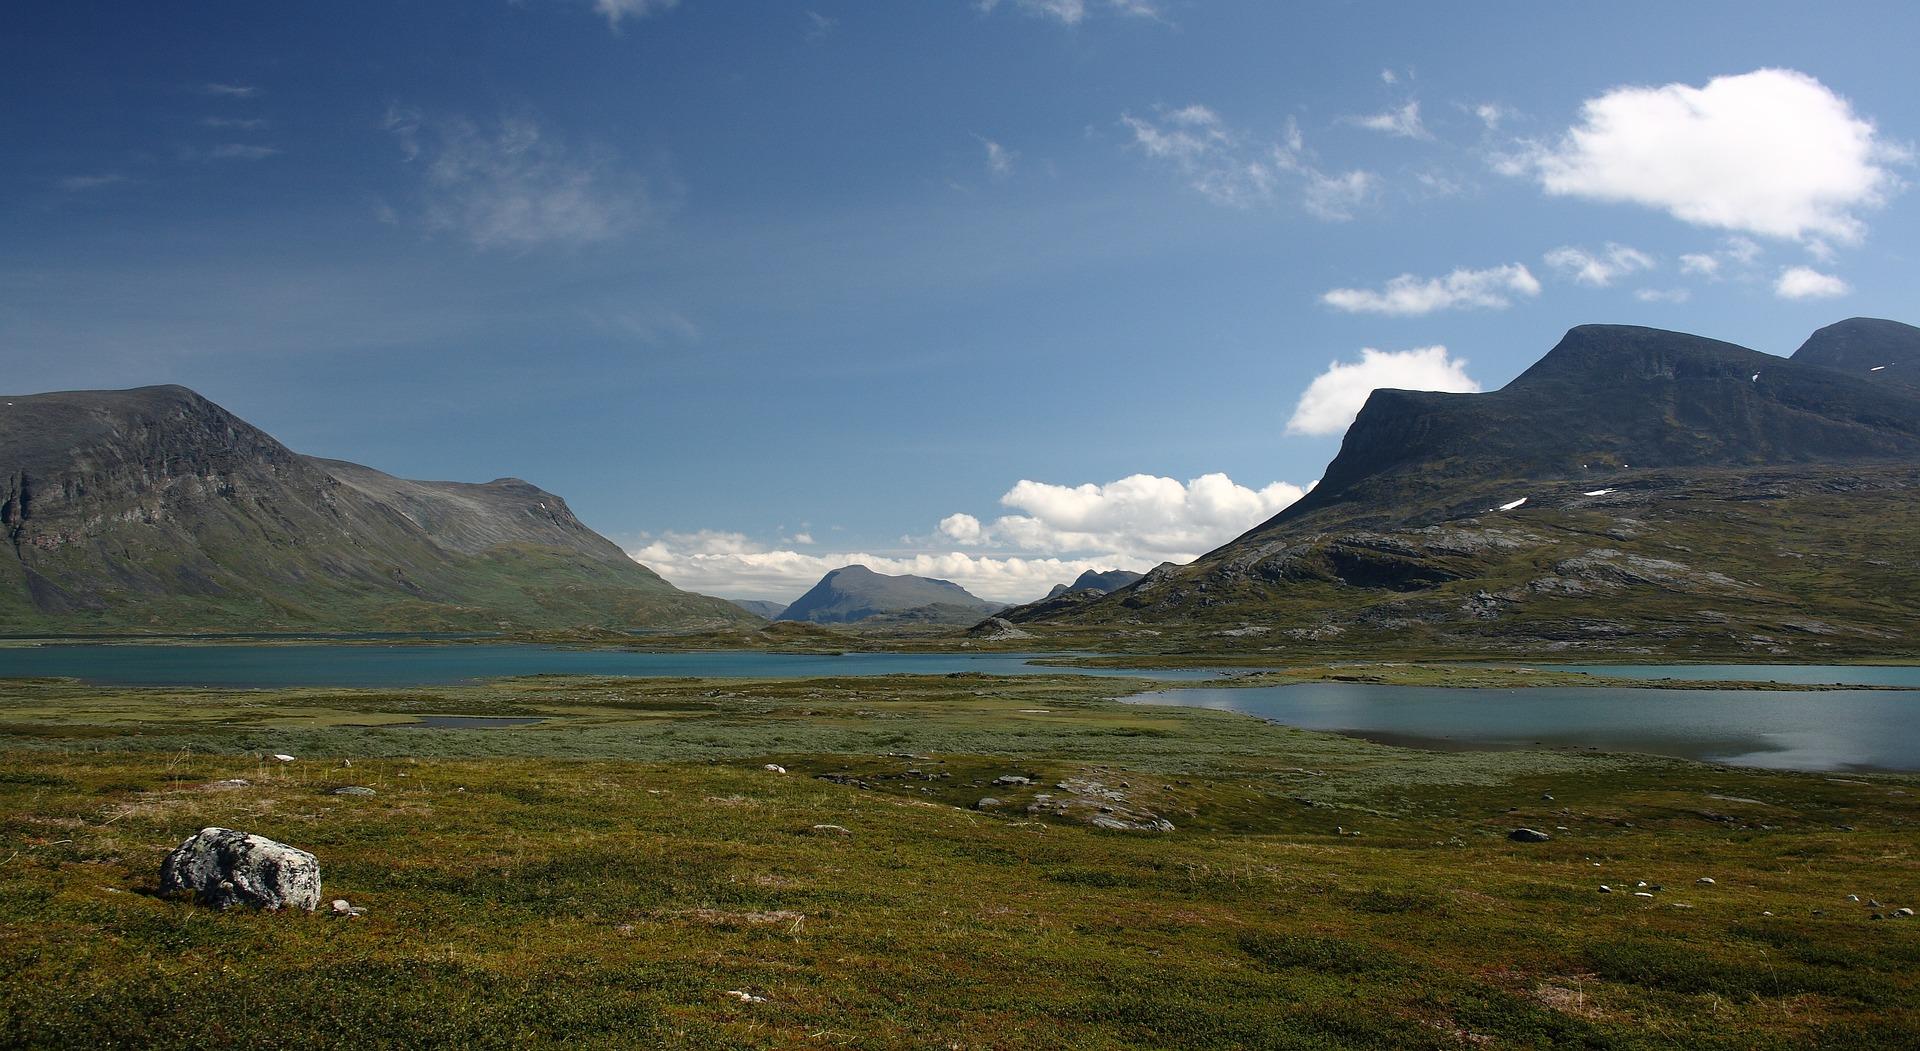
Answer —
155 508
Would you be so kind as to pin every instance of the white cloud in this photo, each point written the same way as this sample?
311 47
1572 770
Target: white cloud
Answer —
1388 76
1802 282
1073 12
511 185
1598 269
999 158
1337 197
232 91
1663 295
614 11
1230 169
1492 114
1335 396
1408 295
1773 153
1055 533
1142 517
235 123
1403 122
1700 264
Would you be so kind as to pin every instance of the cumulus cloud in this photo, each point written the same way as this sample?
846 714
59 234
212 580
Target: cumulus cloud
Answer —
1598 269
512 185
614 11
1492 114
1408 295
1700 264
1073 12
1233 169
1403 122
1804 282
1335 396
1052 535
1773 152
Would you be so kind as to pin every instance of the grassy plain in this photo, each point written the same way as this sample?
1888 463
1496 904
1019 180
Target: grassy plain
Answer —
614 875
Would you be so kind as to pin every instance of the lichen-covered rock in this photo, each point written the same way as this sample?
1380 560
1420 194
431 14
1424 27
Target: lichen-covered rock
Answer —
223 868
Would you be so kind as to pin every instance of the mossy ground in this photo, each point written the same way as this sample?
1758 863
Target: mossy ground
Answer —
606 878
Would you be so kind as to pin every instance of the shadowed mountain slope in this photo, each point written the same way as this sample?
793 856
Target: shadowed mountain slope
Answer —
155 509
856 593
1634 488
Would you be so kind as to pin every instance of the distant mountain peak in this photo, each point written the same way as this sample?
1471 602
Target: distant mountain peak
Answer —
857 593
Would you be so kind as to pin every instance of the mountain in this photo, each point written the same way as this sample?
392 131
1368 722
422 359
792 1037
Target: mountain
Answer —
856 593
1885 352
1634 488
760 607
1111 580
155 509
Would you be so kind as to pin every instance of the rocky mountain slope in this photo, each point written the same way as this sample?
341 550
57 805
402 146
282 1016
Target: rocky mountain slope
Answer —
155 509
1633 490
858 594
1103 582
1873 349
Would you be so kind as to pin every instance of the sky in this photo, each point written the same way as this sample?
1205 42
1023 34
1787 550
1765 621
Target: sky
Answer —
990 291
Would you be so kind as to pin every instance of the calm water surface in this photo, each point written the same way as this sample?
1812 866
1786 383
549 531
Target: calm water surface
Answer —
1798 674
1787 729
402 666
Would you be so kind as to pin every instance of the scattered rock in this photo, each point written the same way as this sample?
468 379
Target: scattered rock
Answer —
1644 894
236 782
746 997
1903 911
1012 779
1604 889
830 830
774 768
1853 897
1528 835
353 790
1705 881
223 868
282 757
998 629
987 803
345 909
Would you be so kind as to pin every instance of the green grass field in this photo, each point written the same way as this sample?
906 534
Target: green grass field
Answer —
613 876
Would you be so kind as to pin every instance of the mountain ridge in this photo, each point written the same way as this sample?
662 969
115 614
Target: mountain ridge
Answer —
154 508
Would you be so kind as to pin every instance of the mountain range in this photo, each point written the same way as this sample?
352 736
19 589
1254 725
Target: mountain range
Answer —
858 594
1635 488
154 509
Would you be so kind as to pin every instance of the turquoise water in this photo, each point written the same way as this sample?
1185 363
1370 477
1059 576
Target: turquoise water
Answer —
1796 674
403 666
1829 730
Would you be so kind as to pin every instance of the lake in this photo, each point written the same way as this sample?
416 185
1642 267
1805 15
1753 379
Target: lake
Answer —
391 667
1796 674
1788 729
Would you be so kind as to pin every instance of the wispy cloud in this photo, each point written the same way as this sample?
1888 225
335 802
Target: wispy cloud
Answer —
83 183
1000 160
1662 295
1232 169
510 184
240 151
1073 12
235 123
1336 396
1409 295
1598 269
232 91
819 25
617 11
1403 122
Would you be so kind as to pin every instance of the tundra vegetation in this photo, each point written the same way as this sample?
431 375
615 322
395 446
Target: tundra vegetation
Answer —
620 867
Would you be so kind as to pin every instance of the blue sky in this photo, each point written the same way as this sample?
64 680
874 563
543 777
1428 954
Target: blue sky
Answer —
974 290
